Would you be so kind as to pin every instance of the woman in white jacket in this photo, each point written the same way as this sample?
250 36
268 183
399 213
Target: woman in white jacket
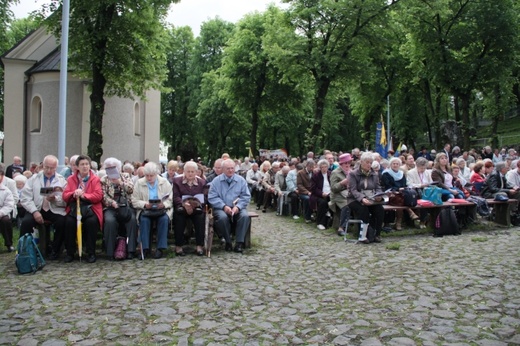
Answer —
6 207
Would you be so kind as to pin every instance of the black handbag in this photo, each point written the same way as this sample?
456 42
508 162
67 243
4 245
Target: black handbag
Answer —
123 212
85 207
152 213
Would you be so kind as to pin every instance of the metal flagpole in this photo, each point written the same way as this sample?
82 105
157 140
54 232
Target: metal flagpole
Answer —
388 137
62 122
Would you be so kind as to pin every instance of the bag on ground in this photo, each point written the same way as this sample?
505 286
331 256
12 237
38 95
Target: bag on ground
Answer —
29 259
120 250
482 205
446 223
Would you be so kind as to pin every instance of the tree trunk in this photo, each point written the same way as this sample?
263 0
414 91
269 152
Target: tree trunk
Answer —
322 88
465 120
97 109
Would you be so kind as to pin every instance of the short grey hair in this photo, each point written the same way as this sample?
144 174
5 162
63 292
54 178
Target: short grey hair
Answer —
367 156
128 166
151 168
459 160
323 162
191 164
499 166
421 162
111 162
393 159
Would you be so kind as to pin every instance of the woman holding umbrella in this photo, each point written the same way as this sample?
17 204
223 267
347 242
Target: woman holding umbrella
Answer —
84 186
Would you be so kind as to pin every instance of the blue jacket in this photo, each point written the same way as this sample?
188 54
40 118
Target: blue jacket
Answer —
221 193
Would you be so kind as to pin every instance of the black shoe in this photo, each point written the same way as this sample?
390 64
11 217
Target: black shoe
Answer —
264 210
239 247
158 254
68 259
257 207
144 254
54 256
229 246
200 252
10 249
180 253
130 256
91 259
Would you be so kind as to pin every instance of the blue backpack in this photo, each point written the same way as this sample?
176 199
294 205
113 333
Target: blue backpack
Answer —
29 259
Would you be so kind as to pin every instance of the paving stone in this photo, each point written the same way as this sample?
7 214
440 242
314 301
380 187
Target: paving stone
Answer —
295 286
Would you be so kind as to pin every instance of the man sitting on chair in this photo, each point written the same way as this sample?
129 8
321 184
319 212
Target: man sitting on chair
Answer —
229 196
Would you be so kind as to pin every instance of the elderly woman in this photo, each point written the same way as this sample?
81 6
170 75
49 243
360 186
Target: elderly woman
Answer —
441 174
339 191
465 172
172 169
153 201
394 179
363 184
6 208
477 177
264 168
320 189
117 188
268 182
84 185
20 181
189 195
418 178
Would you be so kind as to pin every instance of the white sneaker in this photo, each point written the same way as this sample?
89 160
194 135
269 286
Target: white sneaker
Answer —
321 227
295 217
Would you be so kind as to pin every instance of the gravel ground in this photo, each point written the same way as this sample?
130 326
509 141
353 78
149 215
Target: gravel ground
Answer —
296 286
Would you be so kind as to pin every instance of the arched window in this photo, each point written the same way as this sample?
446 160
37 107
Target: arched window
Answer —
137 119
35 122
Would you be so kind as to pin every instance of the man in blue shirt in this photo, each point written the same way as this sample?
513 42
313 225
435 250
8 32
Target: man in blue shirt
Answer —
229 196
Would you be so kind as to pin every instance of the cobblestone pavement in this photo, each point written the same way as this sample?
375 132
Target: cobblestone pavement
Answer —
297 286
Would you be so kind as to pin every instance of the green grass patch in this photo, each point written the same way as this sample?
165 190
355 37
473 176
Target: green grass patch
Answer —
479 239
393 246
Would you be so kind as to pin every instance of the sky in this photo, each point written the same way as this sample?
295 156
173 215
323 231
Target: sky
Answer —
188 12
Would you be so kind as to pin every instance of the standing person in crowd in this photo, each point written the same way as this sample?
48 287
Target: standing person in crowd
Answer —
303 183
394 179
363 185
320 188
16 166
45 207
152 198
339 191
114 188
189 196
441 174
85 186
447 151
229 196
424 153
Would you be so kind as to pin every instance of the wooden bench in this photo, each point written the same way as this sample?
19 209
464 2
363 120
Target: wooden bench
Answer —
502 210
247 240
436 209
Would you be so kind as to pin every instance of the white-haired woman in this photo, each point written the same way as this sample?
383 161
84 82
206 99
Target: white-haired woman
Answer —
320 188
394 179
152 198
189 196
117 189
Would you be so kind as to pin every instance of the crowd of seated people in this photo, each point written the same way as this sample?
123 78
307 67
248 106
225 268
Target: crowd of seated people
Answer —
316 186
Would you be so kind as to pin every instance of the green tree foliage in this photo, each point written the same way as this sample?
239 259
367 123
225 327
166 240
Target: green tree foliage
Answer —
254 86
324 35
120 45
178 126
461 46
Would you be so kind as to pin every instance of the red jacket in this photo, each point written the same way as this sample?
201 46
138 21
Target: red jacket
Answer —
93 194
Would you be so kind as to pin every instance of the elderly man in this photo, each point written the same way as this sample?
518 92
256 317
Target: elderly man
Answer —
496 183
15 167
268 185
43 206
217 170
254 178
229 196
280 187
